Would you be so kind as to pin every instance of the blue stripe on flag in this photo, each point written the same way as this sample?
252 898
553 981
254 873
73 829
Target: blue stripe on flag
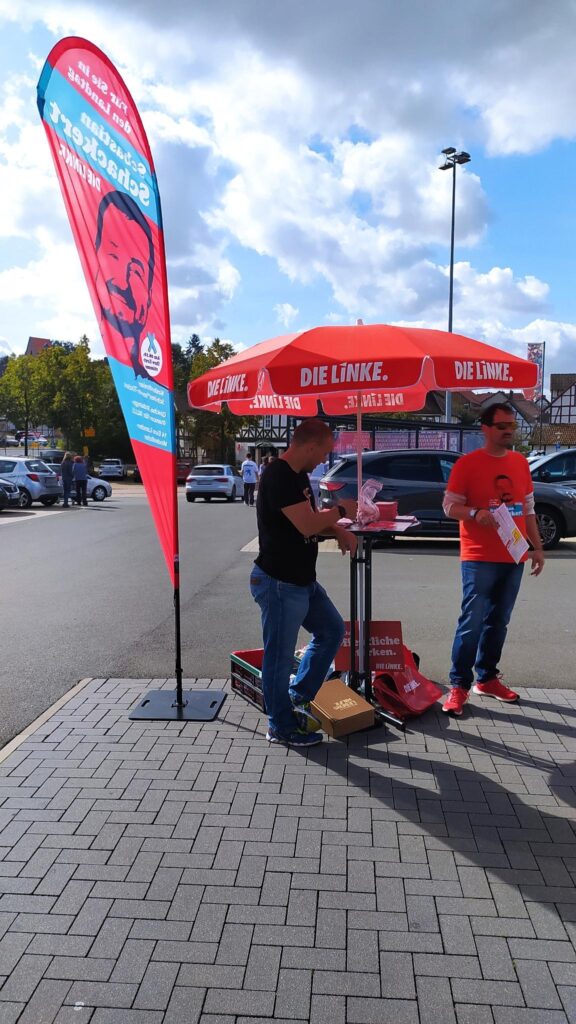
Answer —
79 126
148 408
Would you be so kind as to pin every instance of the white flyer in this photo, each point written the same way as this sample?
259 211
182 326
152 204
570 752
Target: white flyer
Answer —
513 540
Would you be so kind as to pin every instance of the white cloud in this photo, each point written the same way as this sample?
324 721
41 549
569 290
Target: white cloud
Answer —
285 313
309 134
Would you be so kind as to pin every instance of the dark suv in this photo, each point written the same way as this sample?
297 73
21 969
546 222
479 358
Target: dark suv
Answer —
417 479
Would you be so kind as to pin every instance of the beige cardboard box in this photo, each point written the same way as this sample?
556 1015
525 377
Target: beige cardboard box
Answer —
341 710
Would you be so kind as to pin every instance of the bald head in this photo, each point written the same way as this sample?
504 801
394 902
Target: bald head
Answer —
312 442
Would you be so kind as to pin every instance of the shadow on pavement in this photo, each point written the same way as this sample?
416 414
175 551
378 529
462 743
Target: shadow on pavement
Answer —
494 803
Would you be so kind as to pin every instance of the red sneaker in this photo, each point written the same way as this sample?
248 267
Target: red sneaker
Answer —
494 688
456 700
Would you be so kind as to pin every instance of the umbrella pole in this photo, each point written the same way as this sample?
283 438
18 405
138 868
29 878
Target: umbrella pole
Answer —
360 553
359 443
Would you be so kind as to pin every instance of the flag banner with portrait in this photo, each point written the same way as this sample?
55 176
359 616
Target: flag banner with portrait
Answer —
535 353
107 177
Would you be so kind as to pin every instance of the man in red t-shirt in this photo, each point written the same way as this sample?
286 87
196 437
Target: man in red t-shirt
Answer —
479 482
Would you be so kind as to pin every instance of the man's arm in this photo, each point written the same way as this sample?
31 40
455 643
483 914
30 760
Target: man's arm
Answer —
455 507
308 522
537 554
347 541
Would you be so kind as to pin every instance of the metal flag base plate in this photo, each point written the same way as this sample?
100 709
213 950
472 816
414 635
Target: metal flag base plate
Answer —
161 705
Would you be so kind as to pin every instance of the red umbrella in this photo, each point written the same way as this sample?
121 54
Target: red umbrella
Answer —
370 368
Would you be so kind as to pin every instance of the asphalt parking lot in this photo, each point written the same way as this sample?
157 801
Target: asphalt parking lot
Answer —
88 594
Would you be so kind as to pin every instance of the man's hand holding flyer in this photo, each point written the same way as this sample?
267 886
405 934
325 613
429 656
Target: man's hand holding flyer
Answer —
513 540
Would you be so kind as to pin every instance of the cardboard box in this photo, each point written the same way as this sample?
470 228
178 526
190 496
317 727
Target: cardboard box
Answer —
341 710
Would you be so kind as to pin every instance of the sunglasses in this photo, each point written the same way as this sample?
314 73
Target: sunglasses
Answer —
508 425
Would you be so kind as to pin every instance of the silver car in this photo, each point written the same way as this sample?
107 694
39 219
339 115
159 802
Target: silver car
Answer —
113 468
217 480
96 489
34 479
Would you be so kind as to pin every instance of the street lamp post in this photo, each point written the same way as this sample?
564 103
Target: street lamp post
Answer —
452 159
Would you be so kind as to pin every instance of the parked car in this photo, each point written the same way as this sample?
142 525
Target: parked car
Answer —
53 462
9 442
217 480
182 471
556 468
96 489
35 481
9 495
417 478
34 438
113 468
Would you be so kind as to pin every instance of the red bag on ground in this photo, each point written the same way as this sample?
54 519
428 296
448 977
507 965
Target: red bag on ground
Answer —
408 692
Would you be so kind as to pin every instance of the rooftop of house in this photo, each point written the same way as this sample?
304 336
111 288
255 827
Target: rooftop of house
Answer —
554 433
561 382
35 345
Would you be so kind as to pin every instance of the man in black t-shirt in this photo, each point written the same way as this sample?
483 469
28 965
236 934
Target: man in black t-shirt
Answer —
283 581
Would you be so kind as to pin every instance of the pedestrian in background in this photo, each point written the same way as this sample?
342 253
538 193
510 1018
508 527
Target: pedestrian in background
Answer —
80 475
67 471
249 471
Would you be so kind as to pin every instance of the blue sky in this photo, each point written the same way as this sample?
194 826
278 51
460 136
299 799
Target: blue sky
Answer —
297 149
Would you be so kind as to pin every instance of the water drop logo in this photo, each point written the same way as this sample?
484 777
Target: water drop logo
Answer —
151 355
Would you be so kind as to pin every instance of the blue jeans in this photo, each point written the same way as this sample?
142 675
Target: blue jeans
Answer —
490 590
286 607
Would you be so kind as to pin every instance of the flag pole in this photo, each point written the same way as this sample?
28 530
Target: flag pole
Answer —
180 703
542 391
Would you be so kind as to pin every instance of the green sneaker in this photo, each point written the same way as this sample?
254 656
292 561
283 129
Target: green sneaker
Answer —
306 718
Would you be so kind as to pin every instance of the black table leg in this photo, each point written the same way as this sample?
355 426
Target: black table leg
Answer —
367 616
361 580
353 617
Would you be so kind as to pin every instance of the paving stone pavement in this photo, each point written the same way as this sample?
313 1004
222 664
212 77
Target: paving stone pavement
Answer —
168 873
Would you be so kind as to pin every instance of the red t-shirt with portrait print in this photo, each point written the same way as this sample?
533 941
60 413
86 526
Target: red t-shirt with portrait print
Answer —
482 480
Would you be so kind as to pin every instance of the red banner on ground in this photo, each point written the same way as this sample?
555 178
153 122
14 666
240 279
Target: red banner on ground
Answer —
386 648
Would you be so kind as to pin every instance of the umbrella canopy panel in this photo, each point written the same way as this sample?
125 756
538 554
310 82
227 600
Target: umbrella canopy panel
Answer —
338 364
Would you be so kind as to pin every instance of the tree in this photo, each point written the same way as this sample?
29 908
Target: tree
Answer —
66 389
181 367
78 394
194 347
216 433
19 396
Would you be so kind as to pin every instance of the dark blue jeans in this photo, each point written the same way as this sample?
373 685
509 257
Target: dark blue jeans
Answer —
286 607
490 590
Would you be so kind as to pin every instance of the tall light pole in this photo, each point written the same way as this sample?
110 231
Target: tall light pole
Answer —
452 159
